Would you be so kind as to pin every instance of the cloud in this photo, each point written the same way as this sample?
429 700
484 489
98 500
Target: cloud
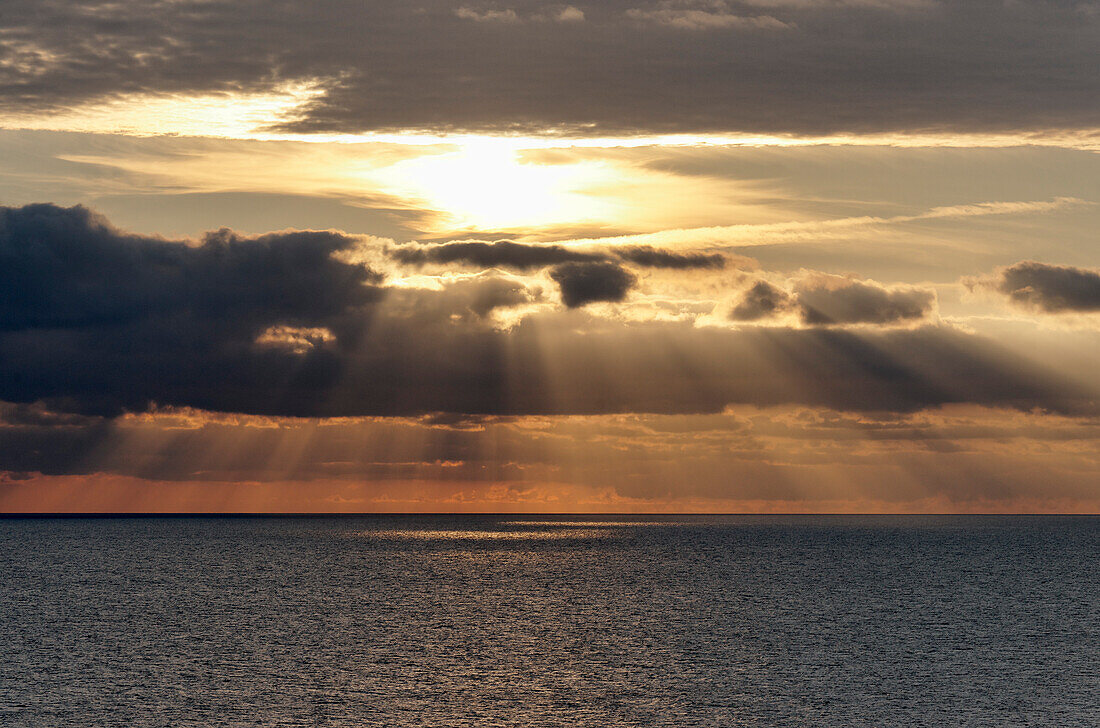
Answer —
552 13
762 300
501 253
898 5
569 14
481 295
95 321
71 280
712 15
783 458
487 16
821 299
649 257
68 268
1046 288
825 299
1031 69
527 256
298 339
583 283
814 231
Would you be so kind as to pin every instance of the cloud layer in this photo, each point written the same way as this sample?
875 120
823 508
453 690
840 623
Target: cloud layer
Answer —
788 457
710 65
527 256
501 253
583 276
646 256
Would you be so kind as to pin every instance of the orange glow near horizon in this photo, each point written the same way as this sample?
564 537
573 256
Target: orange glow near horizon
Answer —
958 459
101 494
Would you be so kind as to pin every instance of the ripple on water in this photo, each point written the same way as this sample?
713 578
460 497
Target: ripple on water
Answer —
561 621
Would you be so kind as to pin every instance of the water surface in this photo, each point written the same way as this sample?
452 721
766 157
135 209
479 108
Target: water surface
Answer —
554 621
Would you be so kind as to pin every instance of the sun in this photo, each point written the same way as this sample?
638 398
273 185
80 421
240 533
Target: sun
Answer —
484 184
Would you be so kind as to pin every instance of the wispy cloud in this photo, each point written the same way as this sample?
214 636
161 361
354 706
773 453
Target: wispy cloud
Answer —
772 233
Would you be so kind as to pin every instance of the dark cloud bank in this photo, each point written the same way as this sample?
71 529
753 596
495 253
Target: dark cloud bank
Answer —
497 254
94 322
583 276
649 257
822 300
528 256
630 66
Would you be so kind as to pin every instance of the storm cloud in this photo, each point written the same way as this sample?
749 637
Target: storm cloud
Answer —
710 66
1047 288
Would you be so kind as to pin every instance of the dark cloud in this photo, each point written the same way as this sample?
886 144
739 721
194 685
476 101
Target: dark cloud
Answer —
798 67
36 439
583 283
68 268
96 321
647 256
527 256
501 253
159 316
824 300
1048 288
762 300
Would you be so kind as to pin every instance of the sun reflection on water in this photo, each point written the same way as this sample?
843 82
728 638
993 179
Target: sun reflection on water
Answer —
485 535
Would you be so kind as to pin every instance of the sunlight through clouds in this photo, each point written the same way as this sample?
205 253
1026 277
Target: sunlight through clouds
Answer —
483 184
446 252
231 115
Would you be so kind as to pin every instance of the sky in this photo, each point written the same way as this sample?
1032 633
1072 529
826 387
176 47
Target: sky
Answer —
628 256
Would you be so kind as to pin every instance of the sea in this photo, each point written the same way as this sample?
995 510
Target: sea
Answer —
509 620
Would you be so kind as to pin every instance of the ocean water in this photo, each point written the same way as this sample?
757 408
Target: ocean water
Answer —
559 621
